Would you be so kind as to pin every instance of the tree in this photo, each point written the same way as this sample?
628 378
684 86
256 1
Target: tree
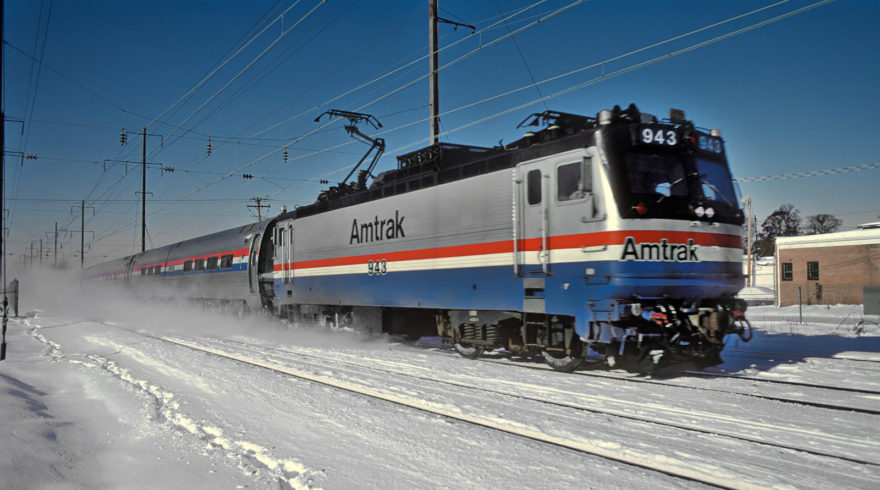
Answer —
785 221
821 223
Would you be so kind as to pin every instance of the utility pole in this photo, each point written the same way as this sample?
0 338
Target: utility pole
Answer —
258 206
749 242
144 192
433 42
3 201
435 89
82 234
56 244
123 140
82 231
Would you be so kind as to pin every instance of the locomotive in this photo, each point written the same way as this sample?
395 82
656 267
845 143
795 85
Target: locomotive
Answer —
618 234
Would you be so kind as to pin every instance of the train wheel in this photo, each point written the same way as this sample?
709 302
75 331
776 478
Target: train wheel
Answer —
468 351
565 362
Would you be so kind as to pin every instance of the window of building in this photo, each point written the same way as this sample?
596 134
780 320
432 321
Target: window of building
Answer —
226 262
534 186
212 263
200 265
787 274
187 266
812 271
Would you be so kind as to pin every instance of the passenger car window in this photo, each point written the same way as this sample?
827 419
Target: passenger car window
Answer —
200 264
212 263
226 261
188 266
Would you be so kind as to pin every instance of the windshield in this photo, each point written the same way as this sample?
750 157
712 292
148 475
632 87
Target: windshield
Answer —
715 181
653 173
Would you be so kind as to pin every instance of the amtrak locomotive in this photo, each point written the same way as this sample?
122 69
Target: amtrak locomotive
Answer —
619 234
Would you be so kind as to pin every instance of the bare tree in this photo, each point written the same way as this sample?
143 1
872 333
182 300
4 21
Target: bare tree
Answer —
821 223
785 221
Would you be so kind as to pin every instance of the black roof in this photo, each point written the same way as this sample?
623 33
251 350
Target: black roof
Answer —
442 163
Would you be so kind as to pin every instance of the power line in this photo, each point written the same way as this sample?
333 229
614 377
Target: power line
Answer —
317 107
217 68
458 60
274 64
606 76
311 133
570 89
810 173
249 65
633 67
522 57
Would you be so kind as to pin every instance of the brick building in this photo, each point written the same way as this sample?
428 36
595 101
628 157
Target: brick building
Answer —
832 268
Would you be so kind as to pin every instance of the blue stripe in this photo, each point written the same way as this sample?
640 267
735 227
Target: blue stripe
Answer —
567 291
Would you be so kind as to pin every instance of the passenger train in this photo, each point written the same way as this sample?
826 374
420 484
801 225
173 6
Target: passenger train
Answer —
618 234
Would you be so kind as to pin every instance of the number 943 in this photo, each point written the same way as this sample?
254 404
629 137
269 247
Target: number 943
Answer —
659 136
379 267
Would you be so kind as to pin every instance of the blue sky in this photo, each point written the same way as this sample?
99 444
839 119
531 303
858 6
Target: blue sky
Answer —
792 96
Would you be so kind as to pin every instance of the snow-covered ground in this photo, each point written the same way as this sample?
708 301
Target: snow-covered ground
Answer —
117 394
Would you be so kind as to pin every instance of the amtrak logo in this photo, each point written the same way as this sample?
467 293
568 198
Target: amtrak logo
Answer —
659 252
377 230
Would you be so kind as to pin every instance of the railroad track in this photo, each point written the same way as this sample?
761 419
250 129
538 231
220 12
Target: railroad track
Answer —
582 446
748 425
710 374
698 374
654 459
770 355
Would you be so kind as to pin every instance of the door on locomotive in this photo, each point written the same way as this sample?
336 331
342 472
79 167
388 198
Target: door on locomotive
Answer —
554 197
283 238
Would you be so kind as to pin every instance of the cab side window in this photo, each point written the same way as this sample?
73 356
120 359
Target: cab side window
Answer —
574 181
533 181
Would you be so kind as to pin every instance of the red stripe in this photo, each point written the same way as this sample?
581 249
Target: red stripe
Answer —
530 245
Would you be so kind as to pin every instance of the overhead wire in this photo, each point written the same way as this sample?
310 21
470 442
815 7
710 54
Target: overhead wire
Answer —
611 75
30 102
523 58
277 62
223 63
261 74
387 74
632 67
334 71
322 128
458 60
809 173
249 65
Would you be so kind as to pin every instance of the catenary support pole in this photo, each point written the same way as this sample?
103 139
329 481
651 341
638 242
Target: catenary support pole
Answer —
435 90
143 193
82 233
